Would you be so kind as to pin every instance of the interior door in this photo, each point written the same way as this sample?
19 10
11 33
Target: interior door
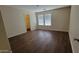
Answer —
27 20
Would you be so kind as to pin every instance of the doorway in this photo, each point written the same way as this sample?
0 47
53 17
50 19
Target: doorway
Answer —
27 22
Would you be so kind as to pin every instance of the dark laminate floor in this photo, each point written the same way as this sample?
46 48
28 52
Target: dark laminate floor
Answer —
41 41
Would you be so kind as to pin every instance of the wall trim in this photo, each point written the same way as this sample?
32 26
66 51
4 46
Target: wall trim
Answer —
5 51
53 29
16 35
71 42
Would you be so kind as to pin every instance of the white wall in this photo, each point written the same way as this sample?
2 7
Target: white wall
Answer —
74 28
4 43
60 19
33 20
14 20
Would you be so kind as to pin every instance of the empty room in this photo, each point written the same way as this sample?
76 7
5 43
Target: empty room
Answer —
39 29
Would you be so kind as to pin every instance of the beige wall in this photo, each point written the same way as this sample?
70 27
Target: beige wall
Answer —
14 20
60 19
74 28
4 44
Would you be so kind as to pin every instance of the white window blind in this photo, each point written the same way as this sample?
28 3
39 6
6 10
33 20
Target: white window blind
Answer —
48 19
40 20
44 19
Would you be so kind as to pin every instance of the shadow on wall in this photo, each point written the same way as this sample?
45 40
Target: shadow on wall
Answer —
4 43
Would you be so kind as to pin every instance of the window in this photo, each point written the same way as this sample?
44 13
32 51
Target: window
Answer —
44 19
48 19
40 20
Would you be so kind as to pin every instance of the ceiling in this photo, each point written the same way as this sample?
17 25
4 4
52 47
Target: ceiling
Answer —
37 8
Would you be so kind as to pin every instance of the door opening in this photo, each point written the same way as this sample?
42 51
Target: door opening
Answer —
27 22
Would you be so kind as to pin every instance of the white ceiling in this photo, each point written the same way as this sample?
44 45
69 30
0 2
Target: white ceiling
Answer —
37 8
